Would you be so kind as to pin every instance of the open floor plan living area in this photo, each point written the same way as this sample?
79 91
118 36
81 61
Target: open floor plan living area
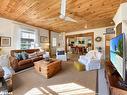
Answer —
63 47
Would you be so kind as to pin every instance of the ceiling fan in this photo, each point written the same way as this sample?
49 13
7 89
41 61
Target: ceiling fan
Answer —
63 12
63 15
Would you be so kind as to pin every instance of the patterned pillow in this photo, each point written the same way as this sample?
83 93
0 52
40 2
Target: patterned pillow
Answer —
24 55
18 56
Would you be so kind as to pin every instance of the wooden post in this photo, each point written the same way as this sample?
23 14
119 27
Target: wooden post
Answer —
50 43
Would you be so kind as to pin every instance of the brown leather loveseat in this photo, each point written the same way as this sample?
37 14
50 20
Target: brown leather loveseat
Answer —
18 65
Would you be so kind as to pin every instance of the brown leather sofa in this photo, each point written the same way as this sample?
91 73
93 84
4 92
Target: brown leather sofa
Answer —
18 65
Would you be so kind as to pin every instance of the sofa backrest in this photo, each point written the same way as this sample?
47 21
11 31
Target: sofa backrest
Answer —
12 52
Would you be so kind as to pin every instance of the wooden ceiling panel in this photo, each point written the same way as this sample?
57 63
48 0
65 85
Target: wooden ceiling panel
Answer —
45 13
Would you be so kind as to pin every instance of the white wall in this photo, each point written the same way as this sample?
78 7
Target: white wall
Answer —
44 32
11 29
121 17
7 30
121 14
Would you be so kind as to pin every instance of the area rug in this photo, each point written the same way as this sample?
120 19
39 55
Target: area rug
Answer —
67 82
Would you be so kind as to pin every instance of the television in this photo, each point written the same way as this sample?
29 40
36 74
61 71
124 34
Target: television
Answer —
117 54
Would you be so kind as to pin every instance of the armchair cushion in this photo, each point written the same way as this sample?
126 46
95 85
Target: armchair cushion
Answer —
7 72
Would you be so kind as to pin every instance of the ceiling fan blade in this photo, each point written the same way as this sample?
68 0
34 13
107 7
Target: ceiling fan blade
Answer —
63 9
70 19
63 12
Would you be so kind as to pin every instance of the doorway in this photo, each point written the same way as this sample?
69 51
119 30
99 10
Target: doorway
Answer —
80 43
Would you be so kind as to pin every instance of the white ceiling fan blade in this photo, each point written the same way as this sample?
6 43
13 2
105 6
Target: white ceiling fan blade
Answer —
70 19
63 12
63 9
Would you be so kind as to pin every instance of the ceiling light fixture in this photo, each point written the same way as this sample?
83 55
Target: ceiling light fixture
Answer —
111 22
86 26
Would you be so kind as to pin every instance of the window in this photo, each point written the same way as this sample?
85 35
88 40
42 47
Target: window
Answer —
27 39
54 42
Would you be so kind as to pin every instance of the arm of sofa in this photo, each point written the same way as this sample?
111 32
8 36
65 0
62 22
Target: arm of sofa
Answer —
13 62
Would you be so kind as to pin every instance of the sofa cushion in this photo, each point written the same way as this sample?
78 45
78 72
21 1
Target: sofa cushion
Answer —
24 62
24 55
37 59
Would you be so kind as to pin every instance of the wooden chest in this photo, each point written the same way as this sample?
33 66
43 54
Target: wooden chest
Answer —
47 68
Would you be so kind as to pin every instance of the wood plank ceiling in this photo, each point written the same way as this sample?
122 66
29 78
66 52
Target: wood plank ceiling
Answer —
45 13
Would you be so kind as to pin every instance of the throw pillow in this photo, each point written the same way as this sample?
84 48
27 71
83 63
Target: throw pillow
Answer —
40 53
18 56
24 55
60 52
32 55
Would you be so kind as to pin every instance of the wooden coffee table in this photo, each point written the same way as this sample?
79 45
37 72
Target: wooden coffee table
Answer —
47 68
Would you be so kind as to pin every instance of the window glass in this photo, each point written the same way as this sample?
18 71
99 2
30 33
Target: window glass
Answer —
27 39
54 42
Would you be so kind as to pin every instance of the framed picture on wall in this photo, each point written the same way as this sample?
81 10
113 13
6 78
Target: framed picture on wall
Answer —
5 41
44 39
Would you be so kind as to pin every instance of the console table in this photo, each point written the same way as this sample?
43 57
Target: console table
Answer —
112 81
